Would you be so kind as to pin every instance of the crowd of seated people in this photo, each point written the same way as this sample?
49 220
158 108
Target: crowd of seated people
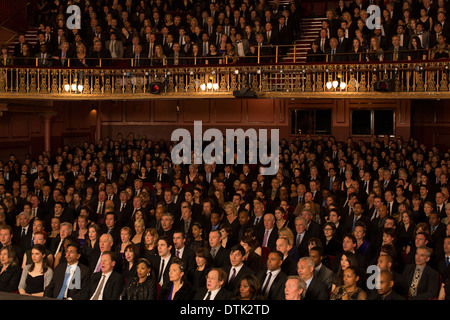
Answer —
408 30
138 227
155 32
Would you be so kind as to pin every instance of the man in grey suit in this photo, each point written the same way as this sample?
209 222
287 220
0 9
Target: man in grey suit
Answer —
423 35
241 46
320 270
114 46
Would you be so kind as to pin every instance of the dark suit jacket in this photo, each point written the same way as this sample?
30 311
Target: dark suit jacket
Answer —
428 286
339 57
317 290
402 54
289 266
53 289
276 291
223 294
233 286
188 258
157 265
222 258
272 241
112 290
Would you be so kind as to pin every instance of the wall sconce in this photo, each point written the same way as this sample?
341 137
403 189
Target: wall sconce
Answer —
74 87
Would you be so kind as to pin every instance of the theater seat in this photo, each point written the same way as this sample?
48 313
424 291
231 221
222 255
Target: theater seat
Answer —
265 254
331 259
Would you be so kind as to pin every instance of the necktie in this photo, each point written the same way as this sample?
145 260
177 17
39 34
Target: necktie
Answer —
447 261
299 239
266 285
414 283
389 208
213 252
354 223
208 296
233 276
99 265
177 253
122 206
65 283
266 235
23 232
99 288
161 271
256 221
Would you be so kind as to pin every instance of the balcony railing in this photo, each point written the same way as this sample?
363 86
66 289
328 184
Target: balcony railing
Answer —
404 79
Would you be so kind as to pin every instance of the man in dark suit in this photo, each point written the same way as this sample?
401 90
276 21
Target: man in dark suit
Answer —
62 56
68 277
335 53
269 235
159 175
289 265
163 260
420 281
437 228
23 232
124 208
214 289
236 270
18 47
99 56
110 227
95 260
258 220
396 52
220 255
106 284
343 42
139 59
320 270
316 289
263 49
386 290
272 278
184 253
301 236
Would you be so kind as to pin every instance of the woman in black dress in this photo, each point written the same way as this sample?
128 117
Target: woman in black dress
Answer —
37 275
203 260
315 54
213 57
143 285
177 288
416 52
356 53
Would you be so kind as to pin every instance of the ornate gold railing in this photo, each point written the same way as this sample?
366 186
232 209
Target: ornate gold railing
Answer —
403 80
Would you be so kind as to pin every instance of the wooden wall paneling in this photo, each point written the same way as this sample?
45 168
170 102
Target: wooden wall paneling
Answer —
111 111
260 110
20 127
227 110
138 111
165 111
196 110
5 125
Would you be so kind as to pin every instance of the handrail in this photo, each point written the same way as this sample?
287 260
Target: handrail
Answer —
425 78
14 14
261 59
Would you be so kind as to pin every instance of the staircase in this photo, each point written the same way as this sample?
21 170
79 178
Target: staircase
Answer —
30 37
310 28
